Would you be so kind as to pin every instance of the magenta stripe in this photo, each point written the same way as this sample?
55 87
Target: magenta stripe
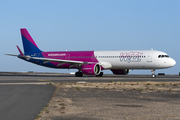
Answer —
84 56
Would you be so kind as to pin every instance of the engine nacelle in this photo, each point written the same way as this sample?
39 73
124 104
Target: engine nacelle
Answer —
120 71
91 69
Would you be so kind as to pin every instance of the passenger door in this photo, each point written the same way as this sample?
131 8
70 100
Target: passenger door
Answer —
149 56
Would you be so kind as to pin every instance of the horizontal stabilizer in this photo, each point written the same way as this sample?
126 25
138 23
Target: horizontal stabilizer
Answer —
11 55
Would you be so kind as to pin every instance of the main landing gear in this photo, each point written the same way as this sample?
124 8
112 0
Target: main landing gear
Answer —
100 75
153 73
78 74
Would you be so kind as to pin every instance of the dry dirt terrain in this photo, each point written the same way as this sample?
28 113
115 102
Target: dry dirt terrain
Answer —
114 101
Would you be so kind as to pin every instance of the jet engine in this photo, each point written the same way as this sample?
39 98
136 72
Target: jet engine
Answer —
91 69
120 71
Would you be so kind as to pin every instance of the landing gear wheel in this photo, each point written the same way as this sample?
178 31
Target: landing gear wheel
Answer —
153 73
78 74
100 75
153 76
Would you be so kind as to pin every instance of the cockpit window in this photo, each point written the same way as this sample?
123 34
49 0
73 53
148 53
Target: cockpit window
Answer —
163 56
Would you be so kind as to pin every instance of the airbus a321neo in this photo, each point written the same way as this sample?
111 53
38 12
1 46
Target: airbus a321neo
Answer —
93 62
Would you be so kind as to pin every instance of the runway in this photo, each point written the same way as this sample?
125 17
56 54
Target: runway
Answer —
7 78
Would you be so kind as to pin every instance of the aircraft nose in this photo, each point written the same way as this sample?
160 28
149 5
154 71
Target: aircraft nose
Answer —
173 62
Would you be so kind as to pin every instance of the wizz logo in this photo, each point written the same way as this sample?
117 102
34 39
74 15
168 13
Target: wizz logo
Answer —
130 56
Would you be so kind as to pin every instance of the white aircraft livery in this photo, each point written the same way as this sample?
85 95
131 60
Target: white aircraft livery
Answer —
93 62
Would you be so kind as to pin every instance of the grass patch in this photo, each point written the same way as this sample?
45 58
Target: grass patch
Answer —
38 116
77 88
147 88
65 83
148 84
50 83
175 84
47 105
140 89
170 90
47 111
62 112
44 108
63 107
96 88
157 84
62 104
134 89
159 90
152 89
55 106
163 84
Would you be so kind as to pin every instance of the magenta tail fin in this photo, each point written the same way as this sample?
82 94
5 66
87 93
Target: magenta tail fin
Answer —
28 43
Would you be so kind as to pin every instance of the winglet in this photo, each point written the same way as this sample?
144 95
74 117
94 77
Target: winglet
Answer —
20 51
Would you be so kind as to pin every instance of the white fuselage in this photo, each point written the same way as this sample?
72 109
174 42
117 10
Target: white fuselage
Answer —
147 59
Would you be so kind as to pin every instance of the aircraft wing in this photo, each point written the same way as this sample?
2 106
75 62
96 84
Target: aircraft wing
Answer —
47 60
61 62
57 60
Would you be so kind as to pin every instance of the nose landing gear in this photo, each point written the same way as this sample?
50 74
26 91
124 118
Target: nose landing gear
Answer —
153 73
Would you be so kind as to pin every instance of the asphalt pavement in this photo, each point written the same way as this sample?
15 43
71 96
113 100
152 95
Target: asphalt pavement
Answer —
22 95
23 102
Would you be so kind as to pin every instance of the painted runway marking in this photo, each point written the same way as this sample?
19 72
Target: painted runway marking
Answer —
43 80
34 83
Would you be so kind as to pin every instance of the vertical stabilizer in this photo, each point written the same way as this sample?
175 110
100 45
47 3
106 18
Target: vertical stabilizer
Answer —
28 43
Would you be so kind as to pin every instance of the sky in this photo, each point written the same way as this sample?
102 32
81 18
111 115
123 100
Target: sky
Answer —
78 25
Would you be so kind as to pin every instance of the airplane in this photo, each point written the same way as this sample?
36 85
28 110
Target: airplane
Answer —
93 62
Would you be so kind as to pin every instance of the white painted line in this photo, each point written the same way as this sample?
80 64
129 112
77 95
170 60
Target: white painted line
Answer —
36 83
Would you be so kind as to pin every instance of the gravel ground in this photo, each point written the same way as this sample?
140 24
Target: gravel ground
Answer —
83 103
